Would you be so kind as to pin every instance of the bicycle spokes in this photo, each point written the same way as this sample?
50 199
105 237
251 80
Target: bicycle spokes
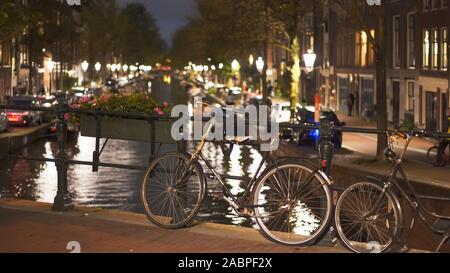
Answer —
366 218
292 205
172 191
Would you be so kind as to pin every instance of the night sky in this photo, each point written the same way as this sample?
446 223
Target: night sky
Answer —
170 14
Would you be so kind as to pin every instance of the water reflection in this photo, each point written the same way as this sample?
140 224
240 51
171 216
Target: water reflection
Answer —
115 188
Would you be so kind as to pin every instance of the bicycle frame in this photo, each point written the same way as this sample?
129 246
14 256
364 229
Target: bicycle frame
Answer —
229 197
412 199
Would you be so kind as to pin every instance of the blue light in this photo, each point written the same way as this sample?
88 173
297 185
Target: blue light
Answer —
315 134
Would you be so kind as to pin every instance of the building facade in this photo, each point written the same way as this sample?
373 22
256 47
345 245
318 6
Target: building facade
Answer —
416 37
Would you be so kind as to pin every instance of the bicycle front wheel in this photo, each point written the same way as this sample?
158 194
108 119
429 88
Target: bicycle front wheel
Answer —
367 218
292 204
172 191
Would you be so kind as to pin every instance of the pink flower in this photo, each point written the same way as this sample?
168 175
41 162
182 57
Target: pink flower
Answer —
85 99
66 116
166 104
105 98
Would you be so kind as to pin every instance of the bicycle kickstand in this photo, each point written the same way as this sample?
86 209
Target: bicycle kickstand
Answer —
444 240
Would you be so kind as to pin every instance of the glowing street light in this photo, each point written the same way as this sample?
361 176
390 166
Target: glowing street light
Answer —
221 66
260 67
84 66
125 68
98 66
309 58
251 60
260 64
235 66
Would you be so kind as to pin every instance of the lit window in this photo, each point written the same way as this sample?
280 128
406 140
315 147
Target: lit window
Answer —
444 49
426 48
411 98
396 41
411 37
435 49
364 48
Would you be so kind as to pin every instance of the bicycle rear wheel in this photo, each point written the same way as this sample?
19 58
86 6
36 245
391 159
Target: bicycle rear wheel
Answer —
362 227
292 204
172 191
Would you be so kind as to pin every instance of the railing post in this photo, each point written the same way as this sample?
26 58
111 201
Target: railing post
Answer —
63 201
96 153
325 145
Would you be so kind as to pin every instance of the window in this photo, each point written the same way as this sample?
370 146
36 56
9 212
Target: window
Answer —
372 48
358 49
426 49
363 48
23 54
411 98
444 49
339 50
396 41
345 50
411 36
435 49
426 5
435 4
351 53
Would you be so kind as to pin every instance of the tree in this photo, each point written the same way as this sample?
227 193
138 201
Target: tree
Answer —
366 18
142 41
234 29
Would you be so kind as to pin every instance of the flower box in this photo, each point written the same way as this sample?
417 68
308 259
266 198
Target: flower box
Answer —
127 129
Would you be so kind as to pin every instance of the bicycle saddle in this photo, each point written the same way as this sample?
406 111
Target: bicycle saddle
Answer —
238 140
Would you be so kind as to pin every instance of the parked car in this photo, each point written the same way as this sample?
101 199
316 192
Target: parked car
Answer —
24 117
234 94
4 125
282 111
305 116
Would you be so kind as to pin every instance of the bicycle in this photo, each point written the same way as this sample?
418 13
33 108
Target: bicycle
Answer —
290 201
369 215
432 156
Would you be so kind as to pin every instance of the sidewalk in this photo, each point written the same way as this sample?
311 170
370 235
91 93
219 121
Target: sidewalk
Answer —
32 227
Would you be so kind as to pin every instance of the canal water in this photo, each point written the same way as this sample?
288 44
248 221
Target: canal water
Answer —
117 188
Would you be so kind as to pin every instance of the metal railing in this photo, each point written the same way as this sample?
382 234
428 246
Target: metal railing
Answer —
63 201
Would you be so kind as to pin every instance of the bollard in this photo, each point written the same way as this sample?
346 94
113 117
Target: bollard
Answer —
63 200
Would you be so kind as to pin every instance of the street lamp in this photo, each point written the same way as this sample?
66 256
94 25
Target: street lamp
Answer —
84 68
125 68
260 67
113 67
309 58
235 66
98 66
251 60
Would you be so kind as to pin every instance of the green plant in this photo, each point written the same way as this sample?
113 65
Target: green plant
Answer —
134 103
408 125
